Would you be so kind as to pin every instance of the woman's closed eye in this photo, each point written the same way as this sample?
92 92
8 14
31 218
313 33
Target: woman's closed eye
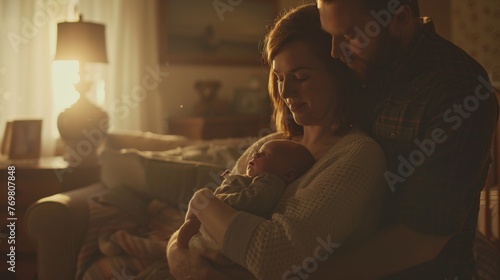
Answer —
301 75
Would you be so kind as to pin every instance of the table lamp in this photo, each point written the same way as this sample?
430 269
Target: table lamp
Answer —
83 127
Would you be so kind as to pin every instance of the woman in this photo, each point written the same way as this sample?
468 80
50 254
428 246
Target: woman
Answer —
336 202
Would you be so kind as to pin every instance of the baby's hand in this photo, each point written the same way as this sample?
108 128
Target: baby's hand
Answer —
188 230
222 196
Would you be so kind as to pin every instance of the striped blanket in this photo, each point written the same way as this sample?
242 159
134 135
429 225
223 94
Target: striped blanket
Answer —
127 234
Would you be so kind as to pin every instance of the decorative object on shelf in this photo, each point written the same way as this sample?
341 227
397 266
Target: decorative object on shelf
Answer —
22 139
208 105
83 126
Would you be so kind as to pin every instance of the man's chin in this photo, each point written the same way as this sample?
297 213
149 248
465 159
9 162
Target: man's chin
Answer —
358 70
357 66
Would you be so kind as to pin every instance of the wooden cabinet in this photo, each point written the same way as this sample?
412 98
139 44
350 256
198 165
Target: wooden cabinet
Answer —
219 127
34 180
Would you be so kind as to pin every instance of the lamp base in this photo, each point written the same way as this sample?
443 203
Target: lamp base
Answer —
83 128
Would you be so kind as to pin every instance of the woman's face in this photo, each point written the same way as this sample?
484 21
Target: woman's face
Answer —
305 84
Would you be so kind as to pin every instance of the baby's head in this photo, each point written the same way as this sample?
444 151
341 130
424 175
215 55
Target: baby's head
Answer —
283 158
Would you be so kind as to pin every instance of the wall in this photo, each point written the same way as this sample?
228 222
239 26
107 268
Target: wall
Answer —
439 11
178 93
471 24
476 28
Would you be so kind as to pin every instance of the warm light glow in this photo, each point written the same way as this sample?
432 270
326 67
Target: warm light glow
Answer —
97 93
65 76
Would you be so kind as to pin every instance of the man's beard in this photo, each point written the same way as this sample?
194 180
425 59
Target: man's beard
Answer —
381 58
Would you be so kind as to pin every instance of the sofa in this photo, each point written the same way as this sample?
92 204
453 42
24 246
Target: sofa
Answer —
136 169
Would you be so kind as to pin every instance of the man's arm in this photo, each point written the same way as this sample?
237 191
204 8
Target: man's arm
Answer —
435 199
387 251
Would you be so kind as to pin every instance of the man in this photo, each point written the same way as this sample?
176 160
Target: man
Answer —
434 113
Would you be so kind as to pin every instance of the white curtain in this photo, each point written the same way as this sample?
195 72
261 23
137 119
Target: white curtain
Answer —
25 64
133 76
28 30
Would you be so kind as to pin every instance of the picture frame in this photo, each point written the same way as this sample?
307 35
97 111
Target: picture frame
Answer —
22 139
7 135
219 32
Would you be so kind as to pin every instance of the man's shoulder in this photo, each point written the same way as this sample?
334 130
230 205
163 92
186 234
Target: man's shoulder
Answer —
437 69
441 61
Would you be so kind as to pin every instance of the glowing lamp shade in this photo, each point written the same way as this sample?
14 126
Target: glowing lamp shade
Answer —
86 43
82 41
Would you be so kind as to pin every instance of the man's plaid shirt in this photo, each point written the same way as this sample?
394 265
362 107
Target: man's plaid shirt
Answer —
435 113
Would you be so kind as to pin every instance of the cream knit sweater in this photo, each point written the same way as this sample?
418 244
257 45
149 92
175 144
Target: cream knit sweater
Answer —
336 202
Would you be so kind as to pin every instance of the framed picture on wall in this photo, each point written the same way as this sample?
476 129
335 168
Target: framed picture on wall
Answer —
22 139
214 32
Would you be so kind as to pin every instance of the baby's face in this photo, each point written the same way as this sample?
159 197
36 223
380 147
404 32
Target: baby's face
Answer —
267 160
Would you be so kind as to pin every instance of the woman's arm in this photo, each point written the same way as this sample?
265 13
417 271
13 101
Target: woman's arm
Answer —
187 231
336 203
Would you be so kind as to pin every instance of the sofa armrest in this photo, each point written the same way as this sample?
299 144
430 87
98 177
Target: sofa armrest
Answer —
57 225
146 141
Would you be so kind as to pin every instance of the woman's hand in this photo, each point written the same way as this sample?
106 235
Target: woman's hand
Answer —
188 230
198 264
199 202
213 213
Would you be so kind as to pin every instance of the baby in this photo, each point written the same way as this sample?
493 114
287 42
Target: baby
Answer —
268 172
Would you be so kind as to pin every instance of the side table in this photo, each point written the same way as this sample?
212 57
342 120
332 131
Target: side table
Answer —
30 181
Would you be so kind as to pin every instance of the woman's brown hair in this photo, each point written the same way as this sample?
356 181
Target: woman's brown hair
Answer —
303 24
